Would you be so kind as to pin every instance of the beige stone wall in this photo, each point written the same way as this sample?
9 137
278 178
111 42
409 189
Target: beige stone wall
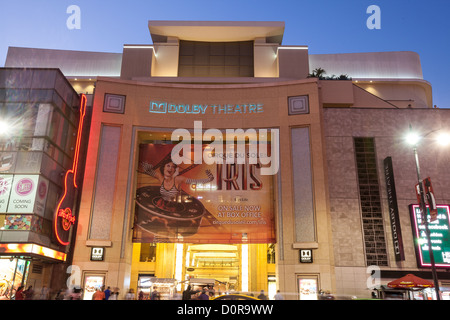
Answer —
274 96
388 127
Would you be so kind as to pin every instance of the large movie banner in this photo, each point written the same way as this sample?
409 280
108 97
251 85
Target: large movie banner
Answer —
201 203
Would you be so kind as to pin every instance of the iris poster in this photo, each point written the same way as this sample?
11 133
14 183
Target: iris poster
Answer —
201 203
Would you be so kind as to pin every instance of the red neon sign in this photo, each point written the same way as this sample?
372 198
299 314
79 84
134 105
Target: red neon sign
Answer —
67 219
64 219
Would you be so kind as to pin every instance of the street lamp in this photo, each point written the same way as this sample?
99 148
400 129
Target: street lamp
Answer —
4 127
414 139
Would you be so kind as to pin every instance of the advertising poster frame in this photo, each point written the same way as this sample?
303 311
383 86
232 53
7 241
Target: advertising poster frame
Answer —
308 286
220 203
92 282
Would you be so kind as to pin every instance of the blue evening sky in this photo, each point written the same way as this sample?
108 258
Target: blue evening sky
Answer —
326 26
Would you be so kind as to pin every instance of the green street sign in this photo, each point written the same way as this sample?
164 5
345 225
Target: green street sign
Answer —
439 235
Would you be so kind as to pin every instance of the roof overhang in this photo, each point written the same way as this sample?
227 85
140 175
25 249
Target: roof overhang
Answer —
216 31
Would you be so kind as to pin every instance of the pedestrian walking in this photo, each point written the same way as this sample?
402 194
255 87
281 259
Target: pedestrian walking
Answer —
98 295
203 295
262 296
29 293
60 294
187 293
44 293
114 295
107 293
278 296
130 295
155 294
19 294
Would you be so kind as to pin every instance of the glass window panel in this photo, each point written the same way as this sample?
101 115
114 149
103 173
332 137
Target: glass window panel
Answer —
17 95
40 95
53 195
51 169
43 79
16 78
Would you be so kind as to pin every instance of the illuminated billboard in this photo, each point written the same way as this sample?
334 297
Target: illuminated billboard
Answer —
439 235
201 203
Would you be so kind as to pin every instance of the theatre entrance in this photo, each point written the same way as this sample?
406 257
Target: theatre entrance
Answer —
243 268
218 264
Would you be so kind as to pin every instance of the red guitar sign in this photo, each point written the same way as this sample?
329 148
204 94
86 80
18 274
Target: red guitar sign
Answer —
64 219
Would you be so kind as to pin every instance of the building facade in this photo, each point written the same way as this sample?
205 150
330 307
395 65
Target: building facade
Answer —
40 117
277 178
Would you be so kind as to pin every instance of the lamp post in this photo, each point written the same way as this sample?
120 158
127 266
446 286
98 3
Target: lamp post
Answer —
414 140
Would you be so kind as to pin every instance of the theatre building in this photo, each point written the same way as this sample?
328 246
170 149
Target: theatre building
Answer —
218 156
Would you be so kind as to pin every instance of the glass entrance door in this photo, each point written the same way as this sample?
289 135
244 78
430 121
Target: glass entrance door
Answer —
218 262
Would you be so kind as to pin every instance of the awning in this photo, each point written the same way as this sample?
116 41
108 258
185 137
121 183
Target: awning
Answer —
410 281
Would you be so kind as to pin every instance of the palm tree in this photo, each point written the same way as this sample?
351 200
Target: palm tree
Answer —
317 73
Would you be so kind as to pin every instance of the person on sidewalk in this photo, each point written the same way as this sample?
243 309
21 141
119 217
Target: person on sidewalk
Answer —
98 295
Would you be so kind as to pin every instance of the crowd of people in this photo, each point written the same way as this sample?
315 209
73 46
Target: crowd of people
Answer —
204 293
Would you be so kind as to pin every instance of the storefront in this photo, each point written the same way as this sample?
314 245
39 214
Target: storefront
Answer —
41 123
13 272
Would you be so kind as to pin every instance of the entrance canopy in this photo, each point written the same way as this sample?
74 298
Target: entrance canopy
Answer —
410 281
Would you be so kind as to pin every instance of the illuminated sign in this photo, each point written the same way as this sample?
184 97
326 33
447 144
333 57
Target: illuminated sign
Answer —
67 219
63 218
308 288
28 248
306 256
165 107
439 235
97 254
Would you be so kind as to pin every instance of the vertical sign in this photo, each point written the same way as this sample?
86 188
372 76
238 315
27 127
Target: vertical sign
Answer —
64 218
429 194
393 210
419 200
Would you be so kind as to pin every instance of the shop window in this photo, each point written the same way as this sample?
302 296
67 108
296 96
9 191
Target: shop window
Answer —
148 252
